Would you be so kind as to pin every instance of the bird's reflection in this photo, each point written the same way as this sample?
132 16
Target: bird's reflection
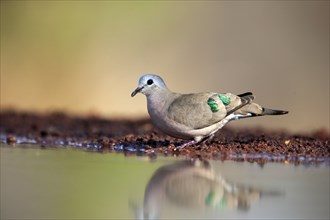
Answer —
194 184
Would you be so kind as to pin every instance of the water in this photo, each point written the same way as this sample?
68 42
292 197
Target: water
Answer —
67 184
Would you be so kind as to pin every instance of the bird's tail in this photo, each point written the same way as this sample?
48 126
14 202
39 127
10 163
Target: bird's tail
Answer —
268 111
248 108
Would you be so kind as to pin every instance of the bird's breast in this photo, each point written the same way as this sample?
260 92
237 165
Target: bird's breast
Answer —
158 114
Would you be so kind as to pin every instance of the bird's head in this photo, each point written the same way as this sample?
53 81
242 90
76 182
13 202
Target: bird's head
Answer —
149 84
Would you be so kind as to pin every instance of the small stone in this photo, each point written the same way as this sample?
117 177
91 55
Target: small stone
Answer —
171 146
152 156
11 139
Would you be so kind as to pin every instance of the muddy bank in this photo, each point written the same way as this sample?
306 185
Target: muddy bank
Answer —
138 137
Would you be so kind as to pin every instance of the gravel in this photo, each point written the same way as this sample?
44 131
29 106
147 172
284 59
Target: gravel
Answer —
139 137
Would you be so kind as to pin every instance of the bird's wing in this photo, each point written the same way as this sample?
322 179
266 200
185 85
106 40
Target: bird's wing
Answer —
238 101
204 109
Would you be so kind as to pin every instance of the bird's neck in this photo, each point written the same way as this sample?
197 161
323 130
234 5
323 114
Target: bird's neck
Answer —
158 101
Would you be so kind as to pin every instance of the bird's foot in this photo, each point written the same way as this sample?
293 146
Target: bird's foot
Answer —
181 146
194 142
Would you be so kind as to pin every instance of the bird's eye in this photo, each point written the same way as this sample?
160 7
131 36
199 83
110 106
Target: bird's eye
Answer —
150 81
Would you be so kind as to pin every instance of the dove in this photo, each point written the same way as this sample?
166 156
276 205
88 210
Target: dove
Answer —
196 116
195 184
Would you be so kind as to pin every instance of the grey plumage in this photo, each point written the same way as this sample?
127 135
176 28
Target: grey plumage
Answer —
195 116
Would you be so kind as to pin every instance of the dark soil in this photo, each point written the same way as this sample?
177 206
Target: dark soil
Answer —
138 137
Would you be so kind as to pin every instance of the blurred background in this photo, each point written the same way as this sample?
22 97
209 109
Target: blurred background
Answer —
86 57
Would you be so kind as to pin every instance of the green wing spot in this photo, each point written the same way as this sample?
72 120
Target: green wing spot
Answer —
222 203
225 100
213 105
209 199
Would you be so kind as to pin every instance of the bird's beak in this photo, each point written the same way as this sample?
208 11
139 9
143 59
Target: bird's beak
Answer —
137 90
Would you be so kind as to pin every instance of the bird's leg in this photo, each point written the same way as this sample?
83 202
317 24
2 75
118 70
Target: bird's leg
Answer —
207 138
186 144
221 124
203 140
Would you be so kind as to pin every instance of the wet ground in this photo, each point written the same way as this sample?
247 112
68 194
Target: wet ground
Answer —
138 137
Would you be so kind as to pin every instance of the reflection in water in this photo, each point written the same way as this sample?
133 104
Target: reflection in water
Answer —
72 184
194 184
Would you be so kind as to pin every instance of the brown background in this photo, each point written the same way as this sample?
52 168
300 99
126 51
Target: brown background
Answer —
86 57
